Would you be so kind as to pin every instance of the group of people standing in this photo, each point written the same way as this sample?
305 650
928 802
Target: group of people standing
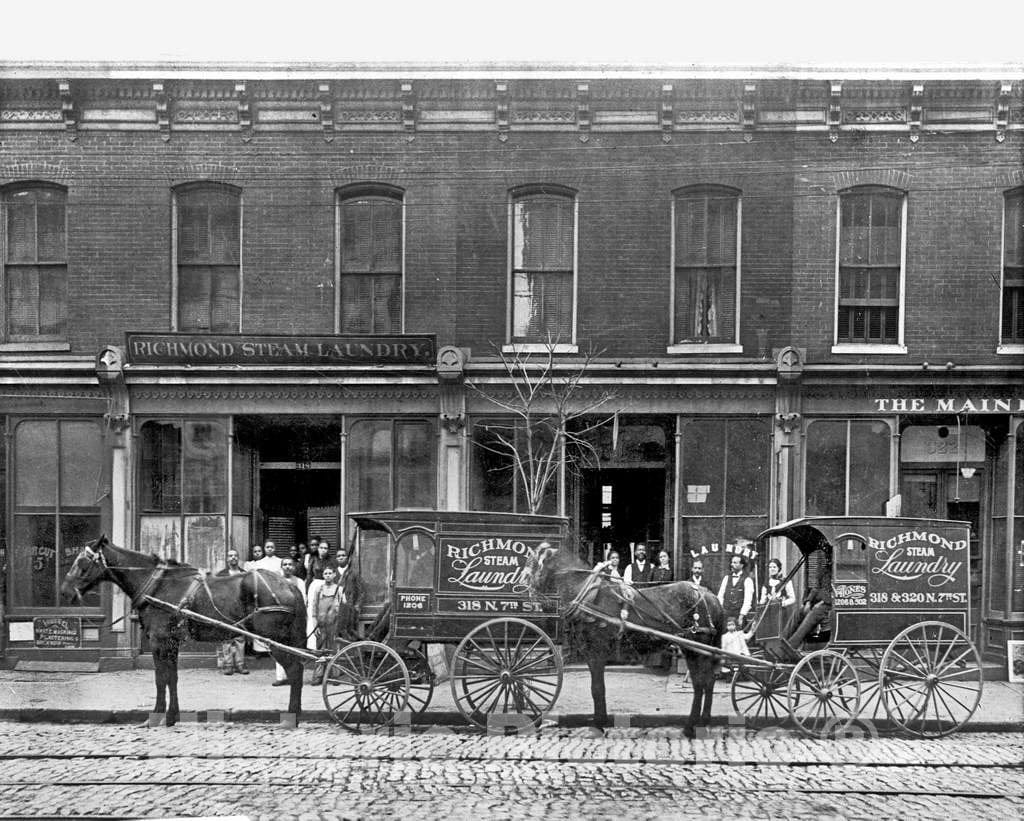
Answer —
329 586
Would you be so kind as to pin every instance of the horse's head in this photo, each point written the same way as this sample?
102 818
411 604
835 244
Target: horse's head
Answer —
88 569
540 569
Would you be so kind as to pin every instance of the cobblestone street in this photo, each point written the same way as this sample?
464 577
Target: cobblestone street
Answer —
269 772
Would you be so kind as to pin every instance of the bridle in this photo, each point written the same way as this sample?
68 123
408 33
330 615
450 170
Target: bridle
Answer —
94 557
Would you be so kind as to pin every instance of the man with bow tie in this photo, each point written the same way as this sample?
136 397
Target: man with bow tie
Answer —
736 592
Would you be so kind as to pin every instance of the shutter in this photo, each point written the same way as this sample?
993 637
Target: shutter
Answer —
224 299
356 304
691 231
324 522
356 221
194 298
23 300
51 229
387 304
387 236
21 231
193 239
545 227
53 299
224 220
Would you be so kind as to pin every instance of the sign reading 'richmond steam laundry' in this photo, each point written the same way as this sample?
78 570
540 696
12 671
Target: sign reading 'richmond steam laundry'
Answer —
226 349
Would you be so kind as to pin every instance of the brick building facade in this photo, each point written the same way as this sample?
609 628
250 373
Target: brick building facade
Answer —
239 304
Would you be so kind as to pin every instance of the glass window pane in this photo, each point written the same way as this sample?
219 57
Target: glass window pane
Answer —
356 245
387 305
160 463
869 468
22 300
35 468
493 475
387 236
825 473
691 231
703 474
415 465
372 561
356 304
50 229
81 464
224 300
21 228
204 446
748 467
193 234
34 553
75 531
369 468
544 233
1013 230
224 233
53 300
543 307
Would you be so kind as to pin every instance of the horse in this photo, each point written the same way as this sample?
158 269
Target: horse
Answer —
258 601
593 606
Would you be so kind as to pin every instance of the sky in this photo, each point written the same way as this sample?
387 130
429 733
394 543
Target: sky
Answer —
798 33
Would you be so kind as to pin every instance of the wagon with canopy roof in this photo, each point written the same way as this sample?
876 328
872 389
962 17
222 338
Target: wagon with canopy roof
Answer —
897 643
459 579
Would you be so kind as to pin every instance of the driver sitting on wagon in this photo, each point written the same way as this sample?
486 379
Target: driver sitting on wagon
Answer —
815 610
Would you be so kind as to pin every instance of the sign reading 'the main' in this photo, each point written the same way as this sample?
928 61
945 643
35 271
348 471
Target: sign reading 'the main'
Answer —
228 349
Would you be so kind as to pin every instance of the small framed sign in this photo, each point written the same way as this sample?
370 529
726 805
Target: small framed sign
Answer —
54 632
1015 660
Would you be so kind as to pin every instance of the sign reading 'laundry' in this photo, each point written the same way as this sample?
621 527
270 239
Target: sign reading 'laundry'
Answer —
225 349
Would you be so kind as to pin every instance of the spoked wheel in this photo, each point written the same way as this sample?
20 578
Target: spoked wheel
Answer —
824 693
760 693
365 685
506 666
421 679
931 679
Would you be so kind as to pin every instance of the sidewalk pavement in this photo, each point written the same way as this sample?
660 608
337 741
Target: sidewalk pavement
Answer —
639 696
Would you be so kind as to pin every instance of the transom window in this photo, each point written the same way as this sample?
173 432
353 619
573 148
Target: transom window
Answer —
208 258
370 260
706 231
870 265
35 263
1013 267
543 275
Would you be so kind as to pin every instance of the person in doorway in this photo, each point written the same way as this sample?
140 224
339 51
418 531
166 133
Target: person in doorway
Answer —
610 565
696 576
317 562
662 574
254 556
270 561
638 572
736 592
297 553
773 589
353 593
231 653
322 604
288 571
814 611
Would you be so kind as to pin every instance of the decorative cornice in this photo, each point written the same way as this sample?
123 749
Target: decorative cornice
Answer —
326 110
583 120
67 108
749 110
322 393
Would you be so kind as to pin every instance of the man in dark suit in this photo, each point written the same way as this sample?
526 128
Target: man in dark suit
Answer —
638 572
697 574
815 610
353 593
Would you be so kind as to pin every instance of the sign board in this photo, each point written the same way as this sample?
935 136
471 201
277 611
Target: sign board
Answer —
492 566
53 632
942 443
246 349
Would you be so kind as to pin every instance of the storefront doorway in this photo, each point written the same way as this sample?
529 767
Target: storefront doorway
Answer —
621 507
946 493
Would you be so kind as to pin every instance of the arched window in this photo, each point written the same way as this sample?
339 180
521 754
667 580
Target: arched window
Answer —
208 271
35 263
706 266
871 237
370 259
1013 267
543 275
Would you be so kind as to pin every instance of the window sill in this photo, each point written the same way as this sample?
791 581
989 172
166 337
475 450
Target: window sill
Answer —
868 348
704 347
34 347
1010 349
539 347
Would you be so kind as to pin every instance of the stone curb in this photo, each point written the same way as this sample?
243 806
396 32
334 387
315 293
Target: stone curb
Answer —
430 718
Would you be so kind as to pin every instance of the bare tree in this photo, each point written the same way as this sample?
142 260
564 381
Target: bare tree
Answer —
549 413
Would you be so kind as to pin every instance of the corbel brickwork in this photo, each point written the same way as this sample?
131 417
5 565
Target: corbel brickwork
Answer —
667 109
835 109
749 110
244 111
326 99
916 108
163 119
583 110
67 109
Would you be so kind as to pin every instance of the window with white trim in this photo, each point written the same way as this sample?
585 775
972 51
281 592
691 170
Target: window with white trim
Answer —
370 259
1013 267
34 263
207 259
706 265
870 266
543 266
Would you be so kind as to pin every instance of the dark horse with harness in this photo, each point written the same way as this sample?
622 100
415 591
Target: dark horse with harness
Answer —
594 607
257 601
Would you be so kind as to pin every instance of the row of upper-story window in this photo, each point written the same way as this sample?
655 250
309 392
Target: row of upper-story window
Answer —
542 279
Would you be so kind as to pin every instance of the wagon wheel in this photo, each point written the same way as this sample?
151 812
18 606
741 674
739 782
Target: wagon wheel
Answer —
505 666
760 692
823 693
421 679
931 679
365 685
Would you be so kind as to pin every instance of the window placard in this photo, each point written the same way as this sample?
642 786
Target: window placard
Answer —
54 632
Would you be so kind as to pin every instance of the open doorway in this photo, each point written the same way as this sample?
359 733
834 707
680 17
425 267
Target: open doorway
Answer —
621 507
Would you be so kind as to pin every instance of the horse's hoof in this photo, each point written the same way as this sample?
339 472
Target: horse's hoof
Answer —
690 733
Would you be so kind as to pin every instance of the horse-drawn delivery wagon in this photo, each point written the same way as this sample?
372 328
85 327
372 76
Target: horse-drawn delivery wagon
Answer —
895 643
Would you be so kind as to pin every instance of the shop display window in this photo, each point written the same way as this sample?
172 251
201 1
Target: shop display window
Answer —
847 467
